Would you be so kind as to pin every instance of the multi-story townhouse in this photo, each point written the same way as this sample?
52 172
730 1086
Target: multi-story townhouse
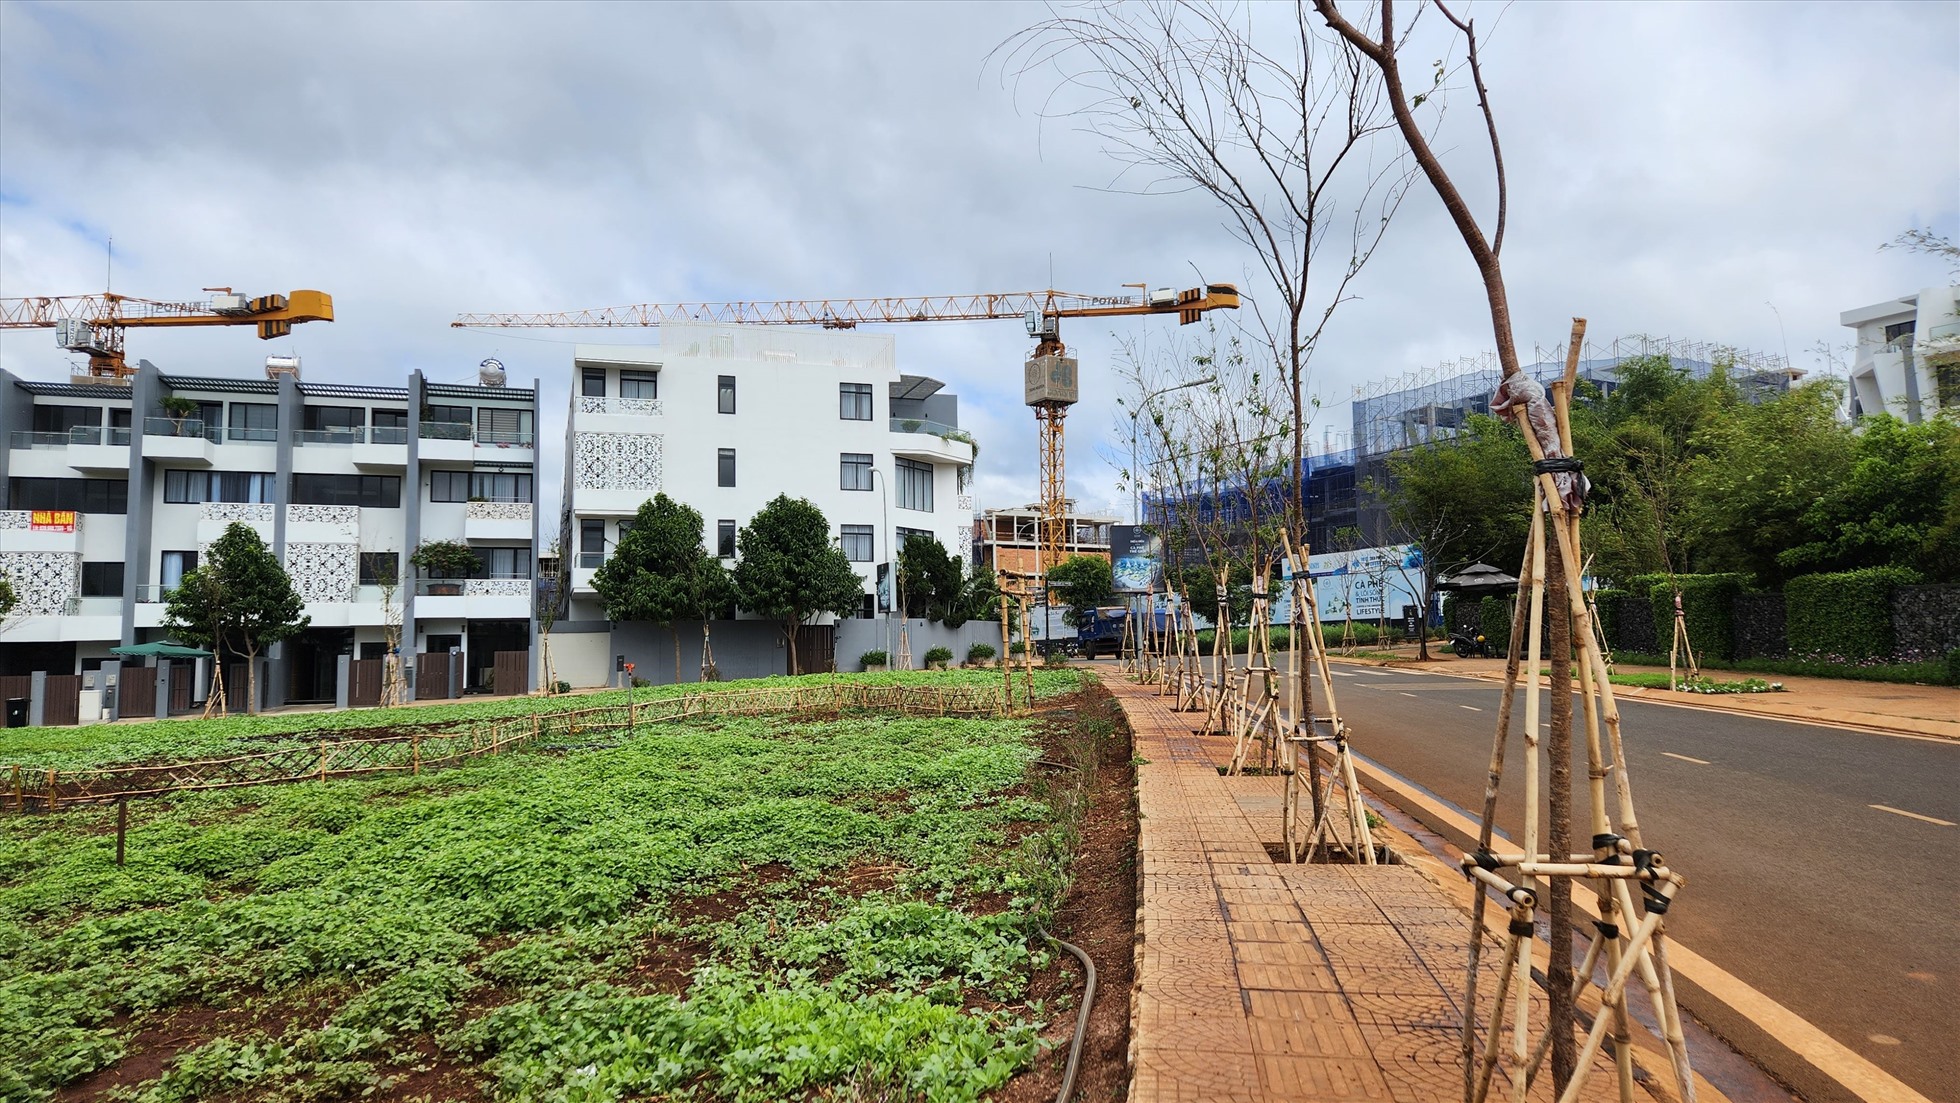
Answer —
725 418
1908 355
114 491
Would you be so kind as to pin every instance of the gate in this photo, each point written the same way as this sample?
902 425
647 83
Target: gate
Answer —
183 686
238 689
432 676
365 690
136 691
816 649
21 686
513 677
64 703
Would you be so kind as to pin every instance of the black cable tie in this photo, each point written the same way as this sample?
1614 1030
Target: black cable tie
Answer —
1607 930
1656 901
1486 861
1606 841
1523 928
1558 465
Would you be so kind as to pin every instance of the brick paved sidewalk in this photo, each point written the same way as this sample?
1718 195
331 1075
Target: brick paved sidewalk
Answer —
1263 982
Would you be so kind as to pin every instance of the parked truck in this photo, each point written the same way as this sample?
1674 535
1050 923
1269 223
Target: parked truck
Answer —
1100 631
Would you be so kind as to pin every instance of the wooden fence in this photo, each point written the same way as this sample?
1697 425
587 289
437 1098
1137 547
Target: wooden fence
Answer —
48 790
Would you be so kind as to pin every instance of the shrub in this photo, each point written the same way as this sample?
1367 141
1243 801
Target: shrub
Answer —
1707 607
1606 605
1846 616
562 687
873 658
1494 619
980 652
939 655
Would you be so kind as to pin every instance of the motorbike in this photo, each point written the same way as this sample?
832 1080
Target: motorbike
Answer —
1467 643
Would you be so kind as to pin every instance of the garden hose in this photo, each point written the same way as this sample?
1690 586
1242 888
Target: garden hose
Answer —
1081 1018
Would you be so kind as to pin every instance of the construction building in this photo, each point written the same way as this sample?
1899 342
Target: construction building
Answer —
1011 540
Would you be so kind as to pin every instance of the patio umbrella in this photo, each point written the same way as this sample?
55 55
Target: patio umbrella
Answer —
161 649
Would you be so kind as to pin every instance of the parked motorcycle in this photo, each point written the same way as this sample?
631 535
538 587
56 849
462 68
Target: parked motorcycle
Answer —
1467 643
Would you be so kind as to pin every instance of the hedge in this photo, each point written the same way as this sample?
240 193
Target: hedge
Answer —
1606 604
1708 607
1494 616
1759 627
1846 616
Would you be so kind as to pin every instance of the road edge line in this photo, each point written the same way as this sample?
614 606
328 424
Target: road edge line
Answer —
1819 1066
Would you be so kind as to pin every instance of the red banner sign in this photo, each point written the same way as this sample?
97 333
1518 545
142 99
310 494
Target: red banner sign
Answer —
52 520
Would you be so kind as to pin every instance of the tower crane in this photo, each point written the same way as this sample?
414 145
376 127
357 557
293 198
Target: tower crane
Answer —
94 324
1050 378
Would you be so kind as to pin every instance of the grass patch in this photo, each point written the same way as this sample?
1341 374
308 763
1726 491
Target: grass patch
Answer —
1697 685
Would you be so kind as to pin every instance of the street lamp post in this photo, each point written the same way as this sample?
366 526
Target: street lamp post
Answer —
1136 490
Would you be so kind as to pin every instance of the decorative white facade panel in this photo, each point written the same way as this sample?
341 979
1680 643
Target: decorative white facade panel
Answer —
629 407
44 582
497 511
16 519
618 461
323 572
247 512
344 519
496 587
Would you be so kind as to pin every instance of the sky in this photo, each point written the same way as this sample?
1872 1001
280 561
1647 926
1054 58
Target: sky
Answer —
1722 173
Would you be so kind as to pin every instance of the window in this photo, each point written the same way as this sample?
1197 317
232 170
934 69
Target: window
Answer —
79 495
186 487
854 401
390 427
495 426
371 491
176 564
914 481
250 421
639 384
869 609
901 534
592 382
64 419
446 422
332 417
725 539
855 471
725 397
102 579
725 467
856 541
624 528
380 568
591 543
490 486
505 562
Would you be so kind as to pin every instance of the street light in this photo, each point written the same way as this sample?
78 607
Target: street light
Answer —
1136 491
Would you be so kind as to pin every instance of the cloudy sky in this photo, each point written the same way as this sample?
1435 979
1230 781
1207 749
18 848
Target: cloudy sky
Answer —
1713 172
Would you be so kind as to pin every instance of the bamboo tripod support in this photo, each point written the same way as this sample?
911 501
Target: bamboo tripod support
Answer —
1680 646
1309 733
1629 938
1251 704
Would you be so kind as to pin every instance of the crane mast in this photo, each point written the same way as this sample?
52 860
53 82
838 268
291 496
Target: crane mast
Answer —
1050 373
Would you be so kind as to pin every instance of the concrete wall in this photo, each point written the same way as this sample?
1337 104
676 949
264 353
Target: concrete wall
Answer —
581 654
743 649
855 637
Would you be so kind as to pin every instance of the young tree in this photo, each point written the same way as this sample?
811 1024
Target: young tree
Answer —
7 598
1081 582
932 581
661 571
791 570
238 600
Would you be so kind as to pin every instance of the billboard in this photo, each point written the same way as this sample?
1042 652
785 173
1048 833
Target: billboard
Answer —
1136 559
52 520
1365 584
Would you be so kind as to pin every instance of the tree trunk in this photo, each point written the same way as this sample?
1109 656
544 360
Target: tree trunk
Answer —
252 682
790 631
1422 615
1558 617
675 628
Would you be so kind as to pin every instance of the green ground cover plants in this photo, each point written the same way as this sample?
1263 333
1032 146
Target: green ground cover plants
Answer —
728 909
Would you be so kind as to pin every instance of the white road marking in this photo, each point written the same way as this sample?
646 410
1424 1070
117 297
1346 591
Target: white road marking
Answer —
1472 708
1344 674
1912 815
1382 673
1405 695
1685 758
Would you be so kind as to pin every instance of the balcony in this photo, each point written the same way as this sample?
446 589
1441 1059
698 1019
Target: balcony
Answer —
40 532
90 449
180 442
600 414
344 435
497 520
322 524
931 441
473 599
447 443
386 449
216 517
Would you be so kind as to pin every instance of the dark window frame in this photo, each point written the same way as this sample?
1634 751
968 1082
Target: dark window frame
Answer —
724 467
587 378
369 576
99 581
856 402
863 538
725 394
852 464
725 538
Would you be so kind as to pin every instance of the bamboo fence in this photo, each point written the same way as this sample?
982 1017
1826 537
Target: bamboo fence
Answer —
49 790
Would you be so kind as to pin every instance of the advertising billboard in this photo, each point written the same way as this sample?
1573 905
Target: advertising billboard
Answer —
1136 559
1364 584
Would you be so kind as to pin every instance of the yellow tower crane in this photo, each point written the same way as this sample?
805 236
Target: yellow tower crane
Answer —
94 324
1050 373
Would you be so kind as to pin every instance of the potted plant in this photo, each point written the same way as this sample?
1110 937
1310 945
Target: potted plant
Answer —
873 662
980 654
444 563
178 409
938 657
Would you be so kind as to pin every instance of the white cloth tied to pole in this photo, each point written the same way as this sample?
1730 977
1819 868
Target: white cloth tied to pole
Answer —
1520 389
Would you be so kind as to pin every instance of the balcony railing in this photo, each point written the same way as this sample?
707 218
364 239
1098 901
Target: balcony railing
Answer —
354 434
241 435
630 407
177 427
473 587
920 425
80 434
388 434
505 438
444 430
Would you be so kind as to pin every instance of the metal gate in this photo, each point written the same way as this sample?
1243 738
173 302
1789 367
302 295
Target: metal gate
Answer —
364 690
64 701
432 676
816 649
513 677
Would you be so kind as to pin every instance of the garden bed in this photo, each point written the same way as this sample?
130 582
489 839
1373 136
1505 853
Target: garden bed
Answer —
740 908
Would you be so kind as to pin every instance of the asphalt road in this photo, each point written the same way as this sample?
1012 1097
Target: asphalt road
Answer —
1846 913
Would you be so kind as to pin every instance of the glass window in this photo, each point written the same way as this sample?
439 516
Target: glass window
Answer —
591 543
855 471
592 382
854 401
486 486
725 398
251 421
914 485
494 426
333 417
639 384
102 579
449 486
856 541
176 564
505 562
62 419
725 539
79 495
725 467
391 419
378 568
371 491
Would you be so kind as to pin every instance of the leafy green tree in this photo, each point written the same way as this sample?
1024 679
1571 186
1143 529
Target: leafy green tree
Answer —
1081 582
1898 504
790 570
239 599
1200 584
661 572
980 598
7 598
934 585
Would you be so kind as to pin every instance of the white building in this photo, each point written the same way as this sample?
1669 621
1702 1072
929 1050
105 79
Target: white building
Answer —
724 419
112 496
1908 358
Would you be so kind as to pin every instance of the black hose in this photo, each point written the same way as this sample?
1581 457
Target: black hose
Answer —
1081 1018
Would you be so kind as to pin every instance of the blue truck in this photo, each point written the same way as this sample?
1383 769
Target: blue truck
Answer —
1100 631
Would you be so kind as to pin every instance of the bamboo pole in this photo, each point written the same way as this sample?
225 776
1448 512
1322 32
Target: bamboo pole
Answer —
122 826
1520 1025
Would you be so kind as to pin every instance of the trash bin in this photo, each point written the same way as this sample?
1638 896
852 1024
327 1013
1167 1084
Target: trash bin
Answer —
16 712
